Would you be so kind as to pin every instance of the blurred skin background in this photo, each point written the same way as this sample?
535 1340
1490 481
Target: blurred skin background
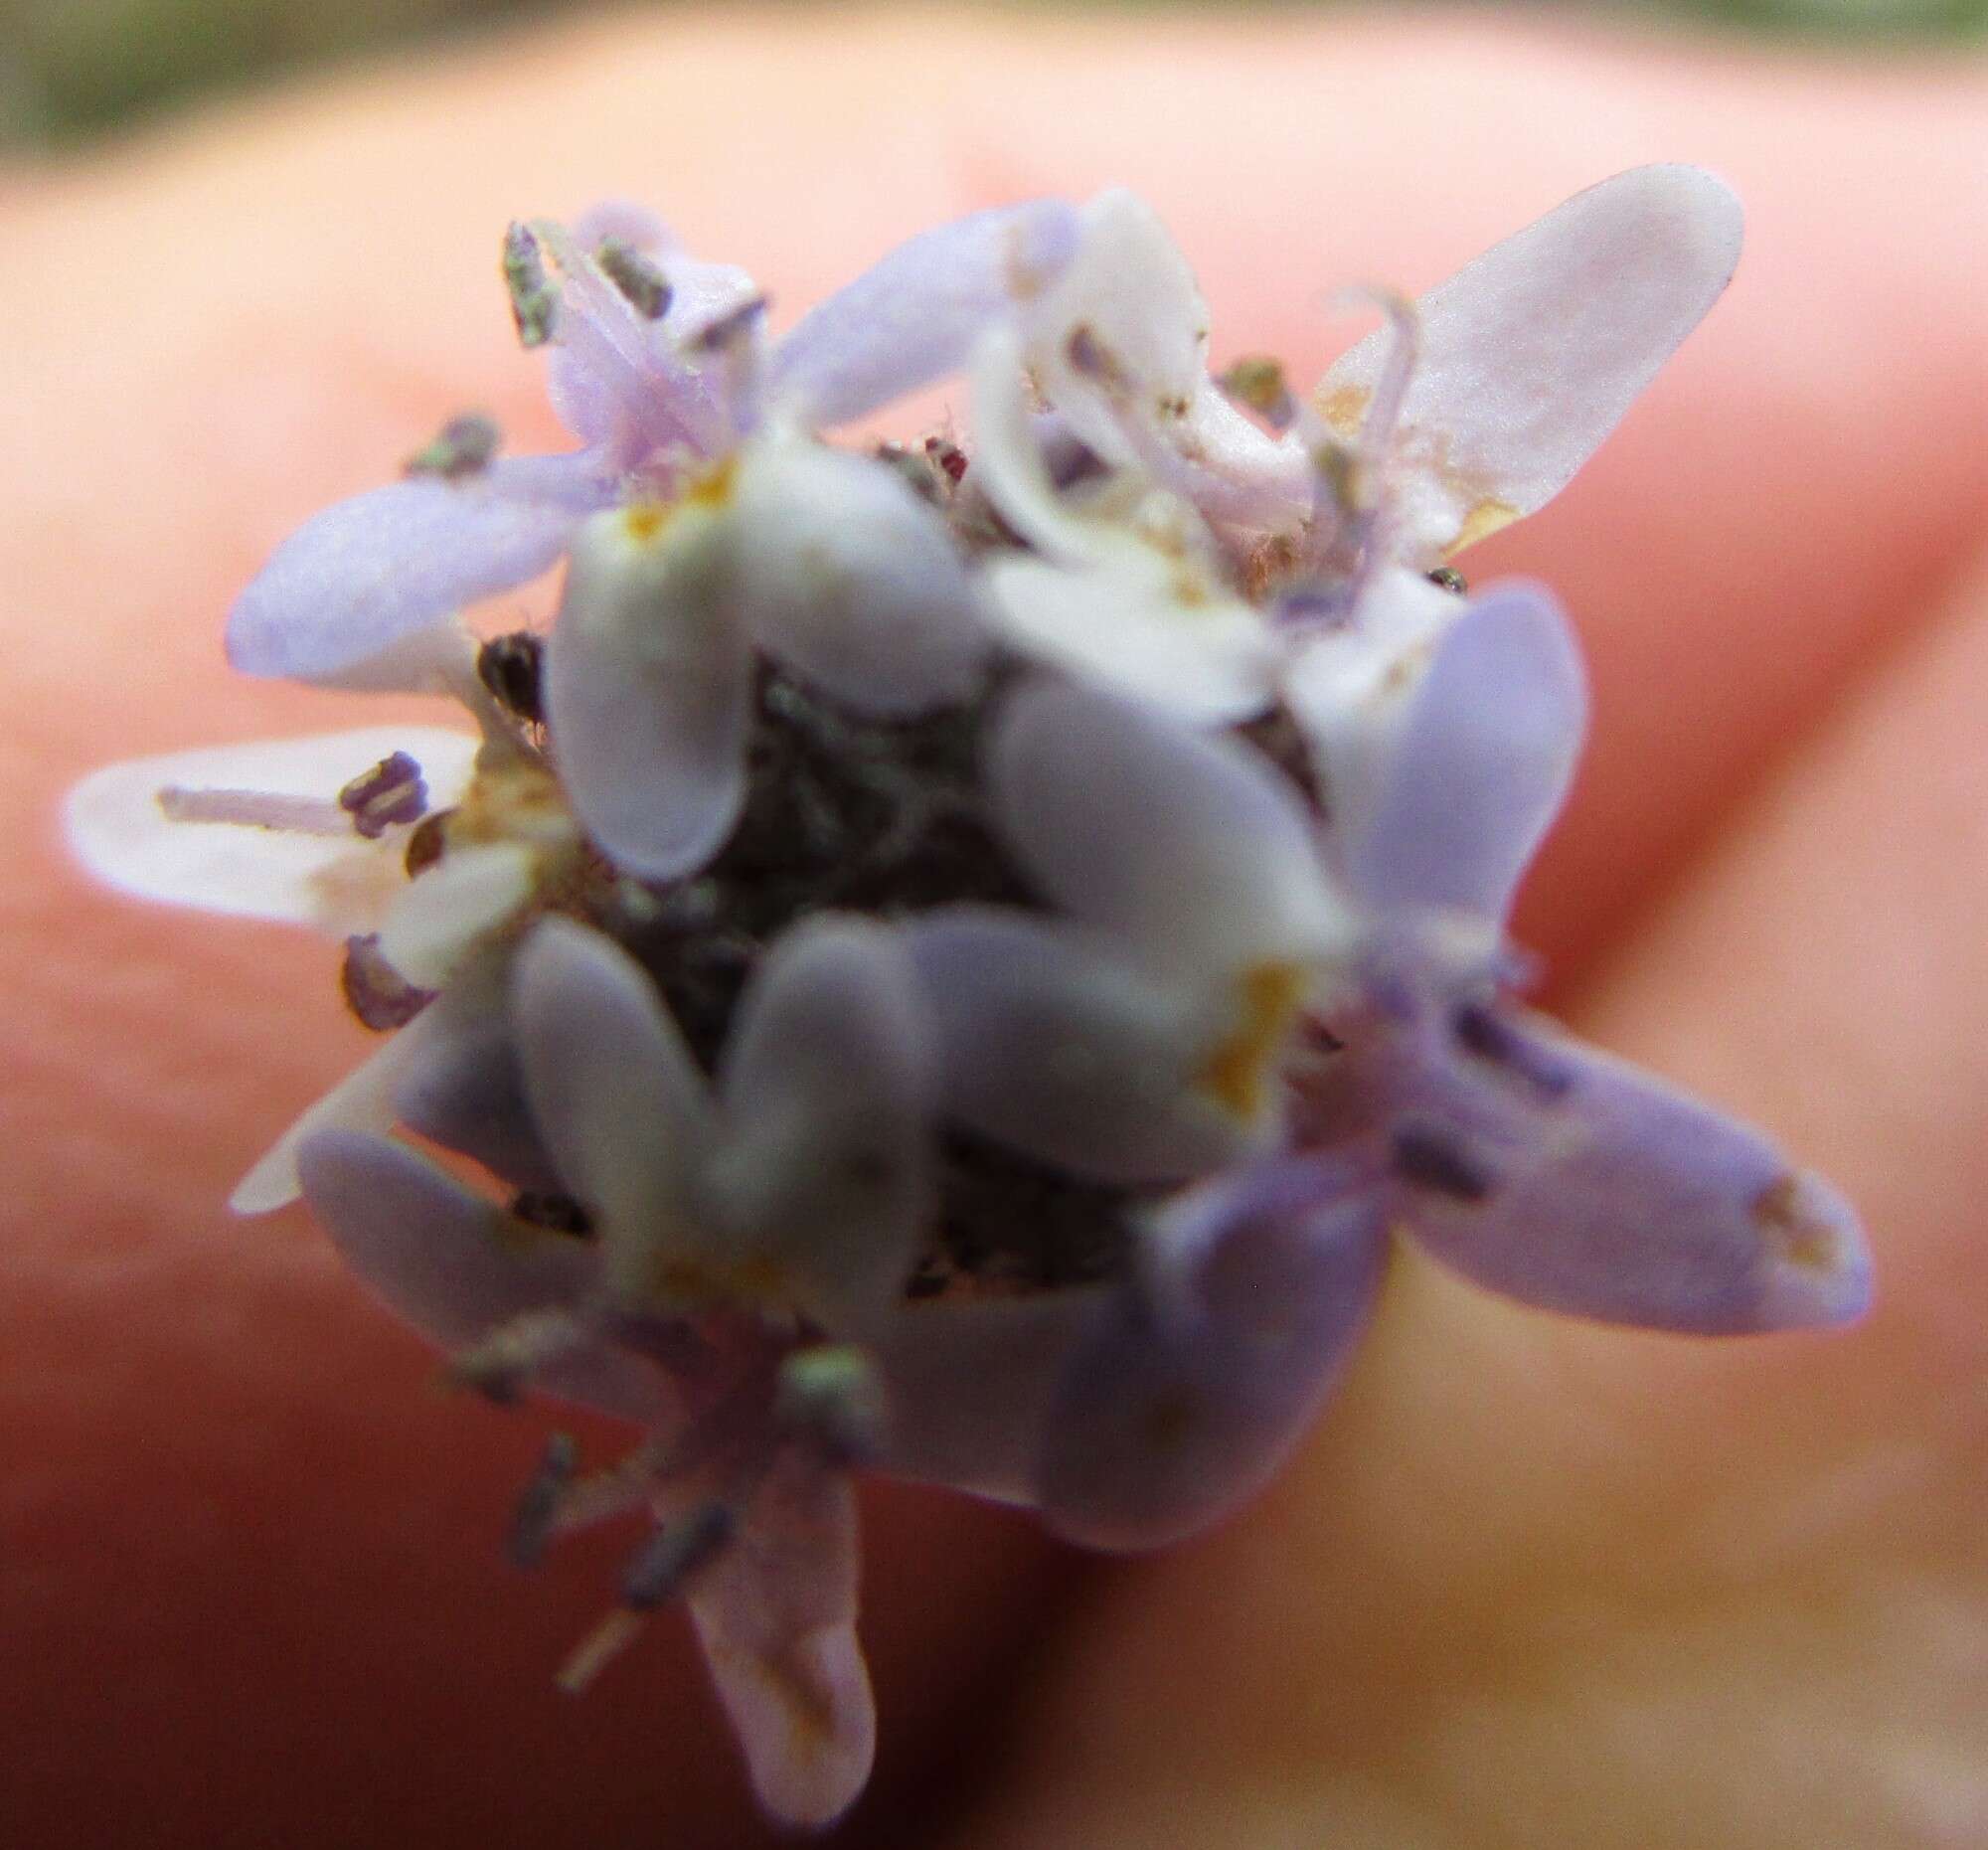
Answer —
1531 1583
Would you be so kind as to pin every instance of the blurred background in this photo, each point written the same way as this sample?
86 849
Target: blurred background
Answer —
70 70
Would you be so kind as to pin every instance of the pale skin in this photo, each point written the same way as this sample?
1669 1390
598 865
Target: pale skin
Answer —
1529 1582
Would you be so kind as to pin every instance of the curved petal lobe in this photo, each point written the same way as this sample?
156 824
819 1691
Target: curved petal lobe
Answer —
1532 353
828 1085
370 571
914 317
1192 849
844 573
1474 772
648 688
1182 1404
612 1087
1055 1047
776 1617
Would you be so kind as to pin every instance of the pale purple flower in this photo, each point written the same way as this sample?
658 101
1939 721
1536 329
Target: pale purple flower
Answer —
1474 406
962 964
652 400
734 1236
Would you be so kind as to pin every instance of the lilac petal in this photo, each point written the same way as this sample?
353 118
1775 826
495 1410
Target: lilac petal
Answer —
969 1386
464 1086
776 1615
613 1090
1192 849
1471 777
438 918
1555 1175
1184 1403
844 573
1055 1046
618 379
648 688
914 315
454 1266
117 829
827 1085
370 571
1532 353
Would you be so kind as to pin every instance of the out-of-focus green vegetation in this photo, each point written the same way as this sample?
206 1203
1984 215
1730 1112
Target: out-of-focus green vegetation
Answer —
75 68
72 68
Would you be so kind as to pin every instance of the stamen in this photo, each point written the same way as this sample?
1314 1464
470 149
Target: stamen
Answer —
1257 383
1391 390
461 447
1433 1159
832 1395
539 1502
658 1572
949 456
1089 357
599 1649
730 338
1483 1031
377 994
673 1554
500 1365
534 301
646 287
730 328
391 793
254 809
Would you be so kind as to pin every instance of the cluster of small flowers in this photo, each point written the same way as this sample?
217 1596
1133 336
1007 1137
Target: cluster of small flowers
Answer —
960 962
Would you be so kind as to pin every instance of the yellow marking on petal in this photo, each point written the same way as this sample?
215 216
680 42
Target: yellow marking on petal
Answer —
1344 409
641 521
1489 516
1237 1074
712 489
757 1283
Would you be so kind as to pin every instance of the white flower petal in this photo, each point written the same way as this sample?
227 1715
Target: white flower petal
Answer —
1008 462
1129 299
1206 658
1532 353
844 573
450 1264
614 1091
440 916
116 828
828 1085
1055 1046
649 686
1192 849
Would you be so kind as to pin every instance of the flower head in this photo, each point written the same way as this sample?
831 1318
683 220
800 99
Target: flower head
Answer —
961 963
